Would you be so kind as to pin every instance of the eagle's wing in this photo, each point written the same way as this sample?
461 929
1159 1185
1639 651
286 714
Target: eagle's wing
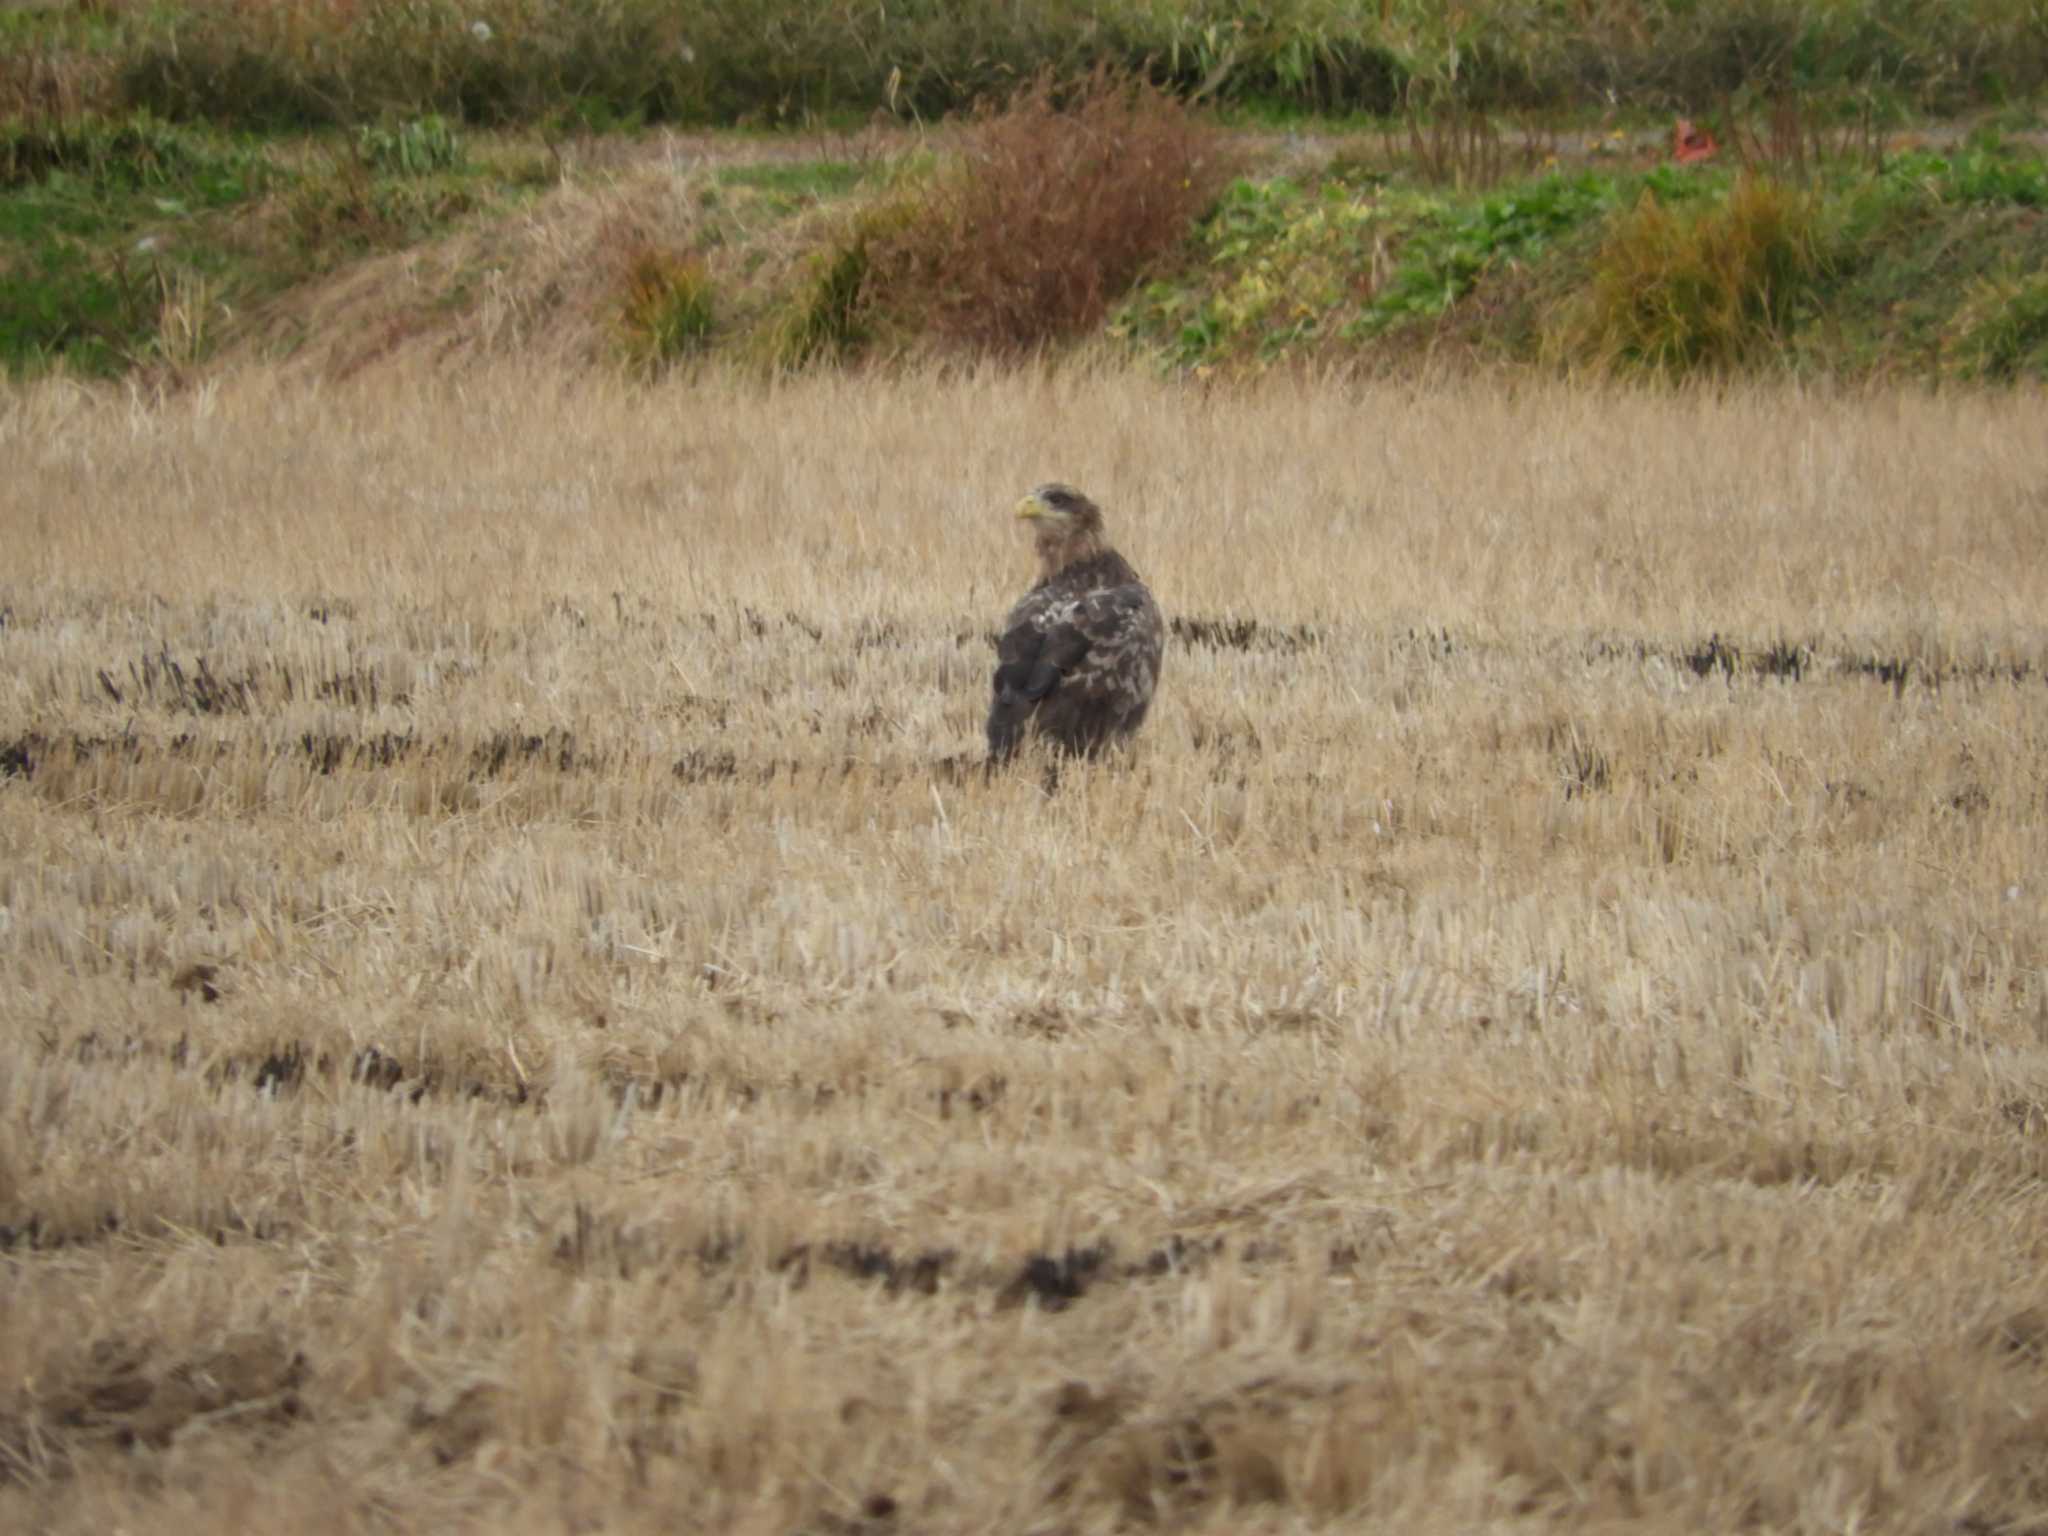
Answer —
1120 661
1032 658
1079 650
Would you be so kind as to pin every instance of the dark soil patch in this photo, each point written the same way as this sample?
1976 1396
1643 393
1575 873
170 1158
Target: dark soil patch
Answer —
919 1273
122 1392
700 765
328 752
553 749
1792 661
164 681
18 757
1055 1282
1778 659
1052 1280
494 754
1893 672
31 1233
1244 635
1164 1463
198 979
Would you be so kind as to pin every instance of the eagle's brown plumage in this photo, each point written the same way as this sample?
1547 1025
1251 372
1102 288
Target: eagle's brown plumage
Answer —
1079 655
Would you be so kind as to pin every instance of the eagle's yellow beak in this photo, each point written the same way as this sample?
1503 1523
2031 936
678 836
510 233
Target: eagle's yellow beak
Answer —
1030 507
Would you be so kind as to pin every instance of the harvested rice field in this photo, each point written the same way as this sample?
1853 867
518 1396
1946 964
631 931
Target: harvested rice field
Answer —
521 1010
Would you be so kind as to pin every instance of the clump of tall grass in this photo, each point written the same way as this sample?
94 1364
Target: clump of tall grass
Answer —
665 309
44 81
830 316
130 153
343 209
1704 285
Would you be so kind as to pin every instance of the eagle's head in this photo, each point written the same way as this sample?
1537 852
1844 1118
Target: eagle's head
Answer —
1066 526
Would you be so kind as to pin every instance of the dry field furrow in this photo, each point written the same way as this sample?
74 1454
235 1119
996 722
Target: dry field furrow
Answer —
520 1008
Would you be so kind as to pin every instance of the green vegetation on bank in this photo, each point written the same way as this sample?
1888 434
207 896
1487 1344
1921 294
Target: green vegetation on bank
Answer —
1285 270
136 241
86 276
1922 262
1098 211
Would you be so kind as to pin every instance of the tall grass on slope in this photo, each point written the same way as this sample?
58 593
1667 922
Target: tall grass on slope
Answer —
1707 287
665 309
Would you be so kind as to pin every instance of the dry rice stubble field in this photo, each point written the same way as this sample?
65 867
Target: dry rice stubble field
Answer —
520 1009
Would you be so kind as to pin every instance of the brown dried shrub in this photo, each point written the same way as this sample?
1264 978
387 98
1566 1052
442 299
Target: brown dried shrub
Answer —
1060 199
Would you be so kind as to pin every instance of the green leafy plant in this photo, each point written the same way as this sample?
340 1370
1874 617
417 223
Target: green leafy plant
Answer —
1987 171
2000 331
1282 266
420 147
1285 268
1456 243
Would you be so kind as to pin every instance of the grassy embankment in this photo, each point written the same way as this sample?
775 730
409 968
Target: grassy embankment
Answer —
186 182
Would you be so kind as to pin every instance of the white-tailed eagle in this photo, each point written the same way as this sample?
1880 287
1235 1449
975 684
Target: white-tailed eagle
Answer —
1078 658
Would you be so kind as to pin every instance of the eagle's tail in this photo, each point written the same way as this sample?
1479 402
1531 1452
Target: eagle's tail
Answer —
1006 720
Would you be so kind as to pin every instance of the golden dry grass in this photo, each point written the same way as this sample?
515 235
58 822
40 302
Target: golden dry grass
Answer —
518 1011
